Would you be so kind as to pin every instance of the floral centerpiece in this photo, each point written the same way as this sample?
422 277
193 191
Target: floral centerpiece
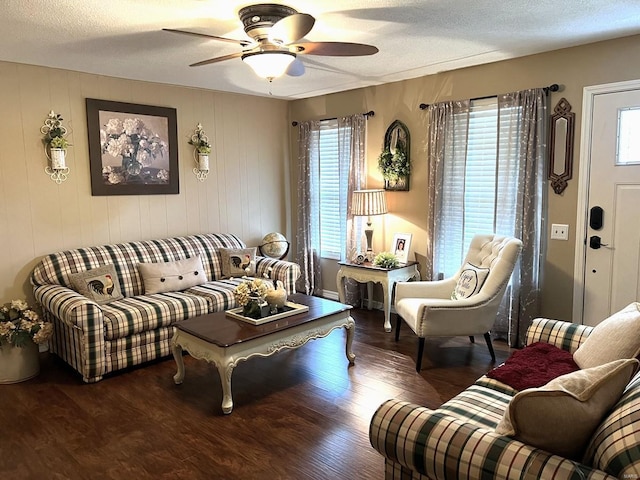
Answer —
386 260
250 296
138 146
20 324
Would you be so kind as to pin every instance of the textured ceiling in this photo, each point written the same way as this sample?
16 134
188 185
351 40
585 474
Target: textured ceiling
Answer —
124 38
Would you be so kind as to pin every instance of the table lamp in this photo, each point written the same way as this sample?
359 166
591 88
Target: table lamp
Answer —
367 203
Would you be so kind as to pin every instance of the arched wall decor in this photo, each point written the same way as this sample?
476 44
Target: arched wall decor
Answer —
395 157
561 133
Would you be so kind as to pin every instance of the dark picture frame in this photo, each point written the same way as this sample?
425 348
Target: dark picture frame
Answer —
133 149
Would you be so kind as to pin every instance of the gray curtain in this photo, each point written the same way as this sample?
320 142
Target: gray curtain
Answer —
351 147
351 157
519 196
308 233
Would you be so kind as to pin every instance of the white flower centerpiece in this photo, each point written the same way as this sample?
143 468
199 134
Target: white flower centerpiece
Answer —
138 146
250 295
201 143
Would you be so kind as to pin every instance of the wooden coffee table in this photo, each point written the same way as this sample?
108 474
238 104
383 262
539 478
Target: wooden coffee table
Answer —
225 341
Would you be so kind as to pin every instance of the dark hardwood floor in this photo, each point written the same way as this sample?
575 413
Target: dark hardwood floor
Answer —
300 414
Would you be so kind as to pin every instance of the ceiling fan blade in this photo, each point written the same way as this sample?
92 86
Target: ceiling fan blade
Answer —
296 68
244 43
217 59
291 28
334 49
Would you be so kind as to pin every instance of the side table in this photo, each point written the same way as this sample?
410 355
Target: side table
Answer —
370 274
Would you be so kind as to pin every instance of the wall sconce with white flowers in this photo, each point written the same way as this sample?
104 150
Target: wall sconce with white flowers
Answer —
55 147
200 153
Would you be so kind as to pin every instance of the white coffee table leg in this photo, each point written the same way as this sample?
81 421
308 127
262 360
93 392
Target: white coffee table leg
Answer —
225 369
350 328
177 355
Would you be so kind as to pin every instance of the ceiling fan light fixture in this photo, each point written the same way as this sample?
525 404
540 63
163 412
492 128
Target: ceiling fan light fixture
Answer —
269 64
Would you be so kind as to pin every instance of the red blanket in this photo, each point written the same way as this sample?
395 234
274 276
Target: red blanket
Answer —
534 366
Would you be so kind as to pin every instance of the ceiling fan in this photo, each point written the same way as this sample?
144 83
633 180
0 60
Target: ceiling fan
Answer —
276 32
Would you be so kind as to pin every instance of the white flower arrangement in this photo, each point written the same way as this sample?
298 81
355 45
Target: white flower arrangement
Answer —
19 323
248 289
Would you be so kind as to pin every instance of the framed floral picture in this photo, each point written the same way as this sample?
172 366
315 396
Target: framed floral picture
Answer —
133 149
401 245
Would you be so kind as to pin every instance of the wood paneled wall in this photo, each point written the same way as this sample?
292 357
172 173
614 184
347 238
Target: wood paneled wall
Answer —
246 193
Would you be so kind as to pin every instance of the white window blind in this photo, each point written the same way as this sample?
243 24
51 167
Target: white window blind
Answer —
333 190
480 180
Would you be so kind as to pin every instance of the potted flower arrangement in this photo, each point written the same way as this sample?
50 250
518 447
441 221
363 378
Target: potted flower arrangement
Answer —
200 140
395 167
386 260
250 295
54 139
21 331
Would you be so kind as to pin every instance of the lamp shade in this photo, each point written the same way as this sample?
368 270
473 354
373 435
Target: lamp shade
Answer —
269 64
368 202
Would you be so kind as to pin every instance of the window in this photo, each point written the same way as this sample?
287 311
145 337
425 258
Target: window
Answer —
332 198
479 191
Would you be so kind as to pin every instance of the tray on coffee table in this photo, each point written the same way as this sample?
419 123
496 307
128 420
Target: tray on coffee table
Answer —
289 309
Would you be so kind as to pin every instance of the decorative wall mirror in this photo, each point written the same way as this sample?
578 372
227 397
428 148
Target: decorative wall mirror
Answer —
561 134
394 162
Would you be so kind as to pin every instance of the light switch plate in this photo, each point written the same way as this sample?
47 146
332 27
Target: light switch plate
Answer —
559 231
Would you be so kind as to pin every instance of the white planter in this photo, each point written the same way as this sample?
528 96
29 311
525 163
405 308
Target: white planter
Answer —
57 159
203 161
18 364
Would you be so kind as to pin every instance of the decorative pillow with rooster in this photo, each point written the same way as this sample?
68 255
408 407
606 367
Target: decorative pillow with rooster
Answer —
238 262
98 284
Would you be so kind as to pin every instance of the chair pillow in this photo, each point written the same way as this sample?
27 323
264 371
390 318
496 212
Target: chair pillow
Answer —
99 284
534 366
238 262
470 282
615 337
172 276
562 416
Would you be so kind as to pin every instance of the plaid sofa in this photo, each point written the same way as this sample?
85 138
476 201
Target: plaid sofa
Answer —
458 441
99 339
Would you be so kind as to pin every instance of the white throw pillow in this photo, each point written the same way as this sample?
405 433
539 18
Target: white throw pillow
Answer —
172 276
561 416
615 337
470 282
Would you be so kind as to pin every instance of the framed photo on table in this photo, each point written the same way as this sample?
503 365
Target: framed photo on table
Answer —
401 245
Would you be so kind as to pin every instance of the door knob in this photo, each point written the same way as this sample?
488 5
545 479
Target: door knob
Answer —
595 242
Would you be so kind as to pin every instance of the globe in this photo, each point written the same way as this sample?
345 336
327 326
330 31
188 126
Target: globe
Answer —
274 245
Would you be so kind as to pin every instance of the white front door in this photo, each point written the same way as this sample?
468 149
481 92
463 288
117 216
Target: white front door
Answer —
611 223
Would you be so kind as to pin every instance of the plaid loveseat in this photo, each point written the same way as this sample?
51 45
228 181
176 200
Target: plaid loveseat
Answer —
99 339
458 441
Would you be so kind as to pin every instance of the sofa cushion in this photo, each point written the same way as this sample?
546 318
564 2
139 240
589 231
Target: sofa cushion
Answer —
561 416
615 445
133 315
99 284
534 366
470 281
482 404
238 262
615 337
172 276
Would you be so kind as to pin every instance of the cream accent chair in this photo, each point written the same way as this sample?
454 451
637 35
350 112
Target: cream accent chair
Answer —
428 309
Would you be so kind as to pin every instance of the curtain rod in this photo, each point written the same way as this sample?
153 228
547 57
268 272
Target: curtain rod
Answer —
368 114
551 88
